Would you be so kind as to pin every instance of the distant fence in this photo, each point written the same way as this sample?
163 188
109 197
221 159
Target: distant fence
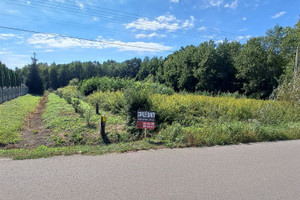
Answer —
10 93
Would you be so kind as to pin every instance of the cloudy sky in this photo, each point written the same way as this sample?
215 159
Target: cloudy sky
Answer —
63 31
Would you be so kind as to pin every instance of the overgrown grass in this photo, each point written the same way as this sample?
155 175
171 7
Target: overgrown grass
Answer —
71 128
43 151
207 121
191 109
12 117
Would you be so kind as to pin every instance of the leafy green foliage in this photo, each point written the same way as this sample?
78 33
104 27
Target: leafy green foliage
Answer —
8 77
108 101
260 75
68 93
137 99
12 117
103 84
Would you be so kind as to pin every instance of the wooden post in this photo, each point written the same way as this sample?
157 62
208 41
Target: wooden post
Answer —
102 131
145 133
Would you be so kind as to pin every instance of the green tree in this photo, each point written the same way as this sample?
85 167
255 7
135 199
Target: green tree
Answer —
34 80
2 75
226 76
7 80
207 69
258 68
53 77
63 79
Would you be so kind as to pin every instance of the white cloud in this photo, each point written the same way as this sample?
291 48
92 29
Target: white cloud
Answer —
244 18
140 46
80 4
28 2
233 4
202 28
95 19
55 41
164 22
189 23
214 3
243 37
6 36
59 1
174 1
278 14
151 35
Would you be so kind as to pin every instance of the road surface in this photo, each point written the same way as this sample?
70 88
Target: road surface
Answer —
247 171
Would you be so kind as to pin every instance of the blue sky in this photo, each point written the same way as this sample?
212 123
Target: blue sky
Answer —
124 29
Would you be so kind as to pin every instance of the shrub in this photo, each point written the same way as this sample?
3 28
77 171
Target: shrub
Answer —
104 84
74 82
68 93
108 101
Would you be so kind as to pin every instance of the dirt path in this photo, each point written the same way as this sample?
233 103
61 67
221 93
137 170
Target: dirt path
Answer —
34 133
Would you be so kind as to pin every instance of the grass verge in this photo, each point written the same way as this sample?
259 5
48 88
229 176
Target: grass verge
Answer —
43 151
12 116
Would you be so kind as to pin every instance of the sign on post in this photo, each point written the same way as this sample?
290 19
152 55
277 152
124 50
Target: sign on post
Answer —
145 120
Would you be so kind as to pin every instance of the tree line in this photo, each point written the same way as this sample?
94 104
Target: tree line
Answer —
255 68
8 77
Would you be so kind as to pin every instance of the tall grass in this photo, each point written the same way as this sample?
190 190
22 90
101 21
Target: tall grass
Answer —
189 109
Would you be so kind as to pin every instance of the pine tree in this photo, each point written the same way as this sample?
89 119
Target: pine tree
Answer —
53 78
34 80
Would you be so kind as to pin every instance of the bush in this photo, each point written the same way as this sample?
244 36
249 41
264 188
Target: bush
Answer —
108 101
289 91
104 84
74 82
68 93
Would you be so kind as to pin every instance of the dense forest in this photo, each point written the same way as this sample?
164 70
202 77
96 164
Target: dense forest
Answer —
254 69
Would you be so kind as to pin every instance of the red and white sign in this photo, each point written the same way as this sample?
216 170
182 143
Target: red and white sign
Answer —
145 120
145 125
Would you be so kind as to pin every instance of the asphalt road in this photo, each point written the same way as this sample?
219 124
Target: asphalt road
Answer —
253 171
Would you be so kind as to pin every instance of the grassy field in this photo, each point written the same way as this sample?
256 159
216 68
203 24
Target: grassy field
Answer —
71 128
12 116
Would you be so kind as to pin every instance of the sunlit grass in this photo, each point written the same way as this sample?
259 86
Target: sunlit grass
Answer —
12 116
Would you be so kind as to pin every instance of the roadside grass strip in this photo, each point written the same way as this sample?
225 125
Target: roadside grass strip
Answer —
44 152
12 117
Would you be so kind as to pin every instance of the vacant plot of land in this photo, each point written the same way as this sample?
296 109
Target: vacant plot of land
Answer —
12 117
